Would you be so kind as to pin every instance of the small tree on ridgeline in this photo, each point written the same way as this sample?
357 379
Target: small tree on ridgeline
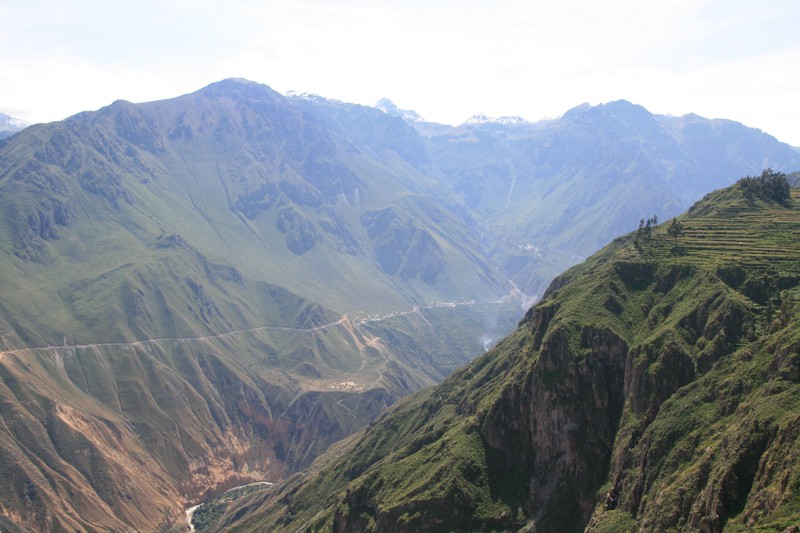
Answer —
675 230
645 232
637 238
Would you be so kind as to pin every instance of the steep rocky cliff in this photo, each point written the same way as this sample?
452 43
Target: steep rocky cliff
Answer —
656 386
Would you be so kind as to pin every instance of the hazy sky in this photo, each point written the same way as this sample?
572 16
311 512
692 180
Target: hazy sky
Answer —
446 59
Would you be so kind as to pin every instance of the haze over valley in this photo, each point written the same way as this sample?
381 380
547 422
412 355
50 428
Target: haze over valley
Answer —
212 289
505 267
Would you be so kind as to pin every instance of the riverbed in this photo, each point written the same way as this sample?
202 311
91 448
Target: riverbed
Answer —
190 511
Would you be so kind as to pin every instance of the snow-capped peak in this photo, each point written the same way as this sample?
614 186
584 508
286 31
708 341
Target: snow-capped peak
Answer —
8 123
311 97
388 107
503 121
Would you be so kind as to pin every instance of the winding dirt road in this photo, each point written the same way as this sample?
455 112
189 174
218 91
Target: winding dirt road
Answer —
143 342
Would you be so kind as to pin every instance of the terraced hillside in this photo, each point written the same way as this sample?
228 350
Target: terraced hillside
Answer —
736 234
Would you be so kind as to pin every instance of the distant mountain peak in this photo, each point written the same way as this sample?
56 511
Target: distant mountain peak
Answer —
503 121
616 108
389 107
237 87
577 111
625 106
11 124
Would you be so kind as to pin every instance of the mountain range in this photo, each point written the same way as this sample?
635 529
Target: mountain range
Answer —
549 194
212 289
543 196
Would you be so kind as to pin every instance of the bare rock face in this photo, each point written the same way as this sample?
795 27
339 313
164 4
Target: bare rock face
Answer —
577 413
566 411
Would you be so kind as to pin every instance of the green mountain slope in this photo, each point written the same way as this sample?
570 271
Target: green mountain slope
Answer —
656 386
238 171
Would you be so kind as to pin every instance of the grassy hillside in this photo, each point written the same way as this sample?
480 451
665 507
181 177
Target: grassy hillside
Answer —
656 386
